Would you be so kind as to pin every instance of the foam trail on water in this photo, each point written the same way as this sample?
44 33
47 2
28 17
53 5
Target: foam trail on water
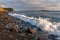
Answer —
44 24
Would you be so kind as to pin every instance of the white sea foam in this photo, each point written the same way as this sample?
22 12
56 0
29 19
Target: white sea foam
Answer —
44 24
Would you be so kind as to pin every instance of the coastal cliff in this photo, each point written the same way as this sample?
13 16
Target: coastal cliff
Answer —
3 11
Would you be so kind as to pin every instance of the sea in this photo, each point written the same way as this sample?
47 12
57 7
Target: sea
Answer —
48 21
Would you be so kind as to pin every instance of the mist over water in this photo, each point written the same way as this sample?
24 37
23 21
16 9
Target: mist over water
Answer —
44 23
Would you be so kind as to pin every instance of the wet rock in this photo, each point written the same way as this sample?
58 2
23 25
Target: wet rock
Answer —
53 37
30 30
7 25
40 36
15 27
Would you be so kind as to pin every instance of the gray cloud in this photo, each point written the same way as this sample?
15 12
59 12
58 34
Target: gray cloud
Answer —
31 4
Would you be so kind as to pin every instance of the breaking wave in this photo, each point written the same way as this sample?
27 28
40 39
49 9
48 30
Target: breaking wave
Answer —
43 23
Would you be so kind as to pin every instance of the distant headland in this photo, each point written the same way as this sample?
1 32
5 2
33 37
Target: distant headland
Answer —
40 10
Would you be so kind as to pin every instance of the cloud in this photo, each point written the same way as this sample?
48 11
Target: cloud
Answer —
31 4
43 3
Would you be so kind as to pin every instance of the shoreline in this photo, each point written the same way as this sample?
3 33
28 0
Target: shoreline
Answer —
16 29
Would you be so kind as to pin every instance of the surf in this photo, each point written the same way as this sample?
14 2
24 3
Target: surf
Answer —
44 23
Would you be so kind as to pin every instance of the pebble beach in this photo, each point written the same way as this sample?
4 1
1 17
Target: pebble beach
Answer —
12 28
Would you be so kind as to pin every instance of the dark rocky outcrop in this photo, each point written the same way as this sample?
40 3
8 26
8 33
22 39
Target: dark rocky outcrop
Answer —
9 9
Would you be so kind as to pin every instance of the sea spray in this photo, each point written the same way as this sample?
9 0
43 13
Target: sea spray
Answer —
44 24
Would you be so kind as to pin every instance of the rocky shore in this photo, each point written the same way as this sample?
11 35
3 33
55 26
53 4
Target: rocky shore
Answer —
12 28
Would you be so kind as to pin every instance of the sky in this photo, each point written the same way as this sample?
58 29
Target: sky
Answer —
31 4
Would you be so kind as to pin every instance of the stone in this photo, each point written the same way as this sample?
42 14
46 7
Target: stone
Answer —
30 30
11 36
7 26
15 27
4 30
0 26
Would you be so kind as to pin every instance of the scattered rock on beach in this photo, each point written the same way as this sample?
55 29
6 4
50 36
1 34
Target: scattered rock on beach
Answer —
10 27
31 31
15 27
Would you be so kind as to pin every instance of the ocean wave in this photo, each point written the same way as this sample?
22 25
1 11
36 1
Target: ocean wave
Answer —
43 23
